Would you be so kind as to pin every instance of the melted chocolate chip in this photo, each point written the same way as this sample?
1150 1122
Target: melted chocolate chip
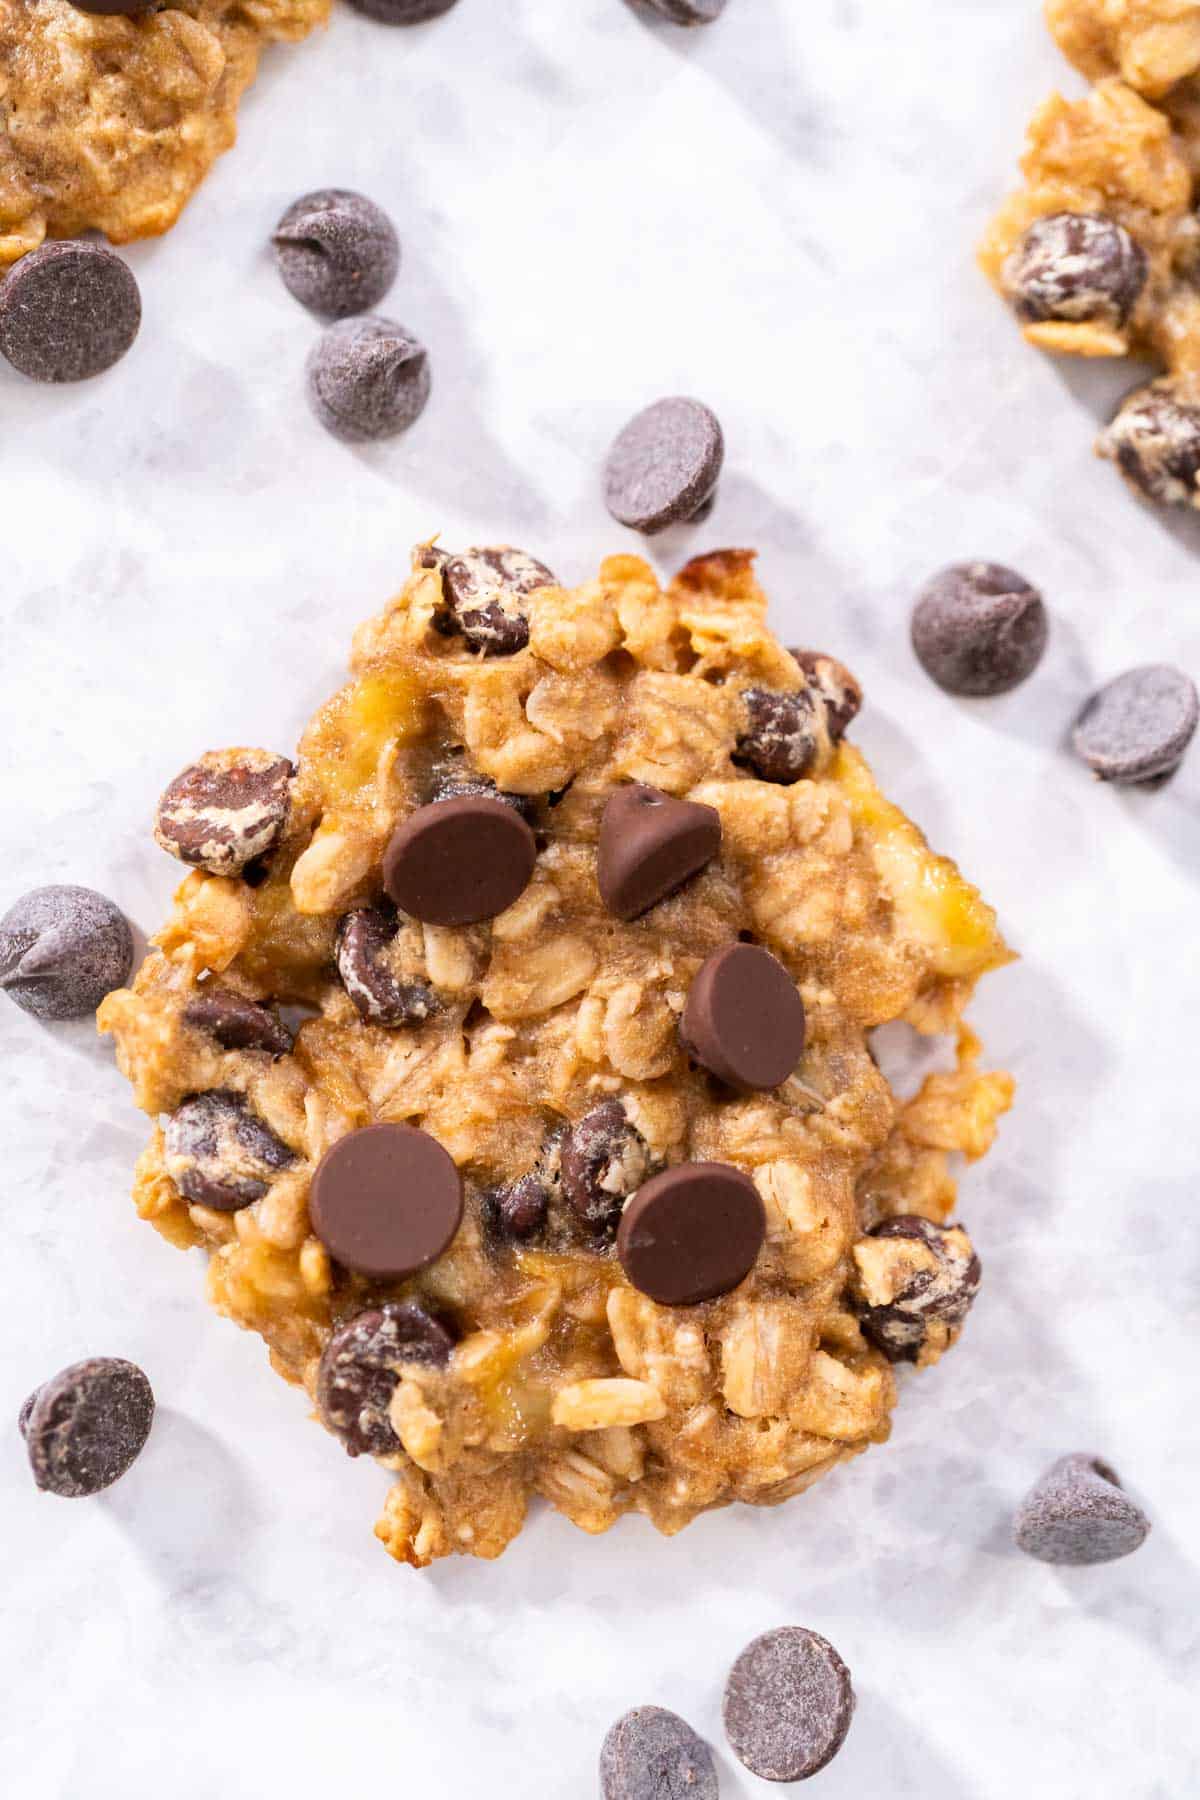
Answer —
604 1158
87 1425
482 592
836 686
380 995
1076 267
236 1022
744 1019
1155 442
650 844
780 740
912 1272
691 1233
225 810
361 1367
386 1200
219 1153
516 1212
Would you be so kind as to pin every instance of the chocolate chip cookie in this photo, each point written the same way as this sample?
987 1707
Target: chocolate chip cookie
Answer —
576 1176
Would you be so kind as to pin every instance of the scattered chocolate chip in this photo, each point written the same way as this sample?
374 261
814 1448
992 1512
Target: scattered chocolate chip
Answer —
225 810
788 1704
482 591
744 1019
912 1273
379 994
688 12
386 1200
219 1153
367 379
652 1754
1079 1513
61 950
691 1233
604 1158
87 1425
650 845
402 12
459 861
68 311
1155 442
664 464
836 686
236 1022
516 1213
337 252
979 628
1138 728
1076 266
780 741
361 1365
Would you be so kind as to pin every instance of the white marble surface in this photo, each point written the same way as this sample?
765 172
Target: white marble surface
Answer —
776 214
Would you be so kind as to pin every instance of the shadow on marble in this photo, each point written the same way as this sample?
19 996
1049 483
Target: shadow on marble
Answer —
886 1754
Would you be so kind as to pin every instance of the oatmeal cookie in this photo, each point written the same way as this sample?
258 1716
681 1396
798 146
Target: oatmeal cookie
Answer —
516 1223
111 122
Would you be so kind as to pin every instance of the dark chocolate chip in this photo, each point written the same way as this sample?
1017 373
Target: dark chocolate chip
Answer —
744 1019
236 1022
923 1272
781 740
652 1754
459 861
688 12
979 628
87 1425
380 995
61 950
691 1233
386 1200
455 783
604 1158
367 379
219 1153
1155 442
1075 267
516 1213
361 1366
1138 727
788 1704
650 844
116 8
664 464
68 310
836 686
1079 1513
225 810
482 591
402 12
337 252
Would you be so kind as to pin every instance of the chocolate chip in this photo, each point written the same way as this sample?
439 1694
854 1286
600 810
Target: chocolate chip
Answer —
361 1366
652 1754
788 1704
691 1233
1076 266
664 464
1155 442
1138 727
516 1212
1078 1513
688 12
979 628
780 740
116 8
912 1273
604 1158
453 783
459 861
219 1153
836 686
236 1022
367 379
87 1425
402 12
386 1200
68 310
744 1019
380 994
337 252
225 810
650 845
61 950
482 591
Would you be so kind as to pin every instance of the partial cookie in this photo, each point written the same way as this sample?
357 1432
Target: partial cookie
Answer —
652 1754
62 949
1078 1513
788 1704
87 1425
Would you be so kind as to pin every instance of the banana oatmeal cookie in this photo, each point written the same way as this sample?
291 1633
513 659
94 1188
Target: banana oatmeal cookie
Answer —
111 117
577 1176
1099 253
